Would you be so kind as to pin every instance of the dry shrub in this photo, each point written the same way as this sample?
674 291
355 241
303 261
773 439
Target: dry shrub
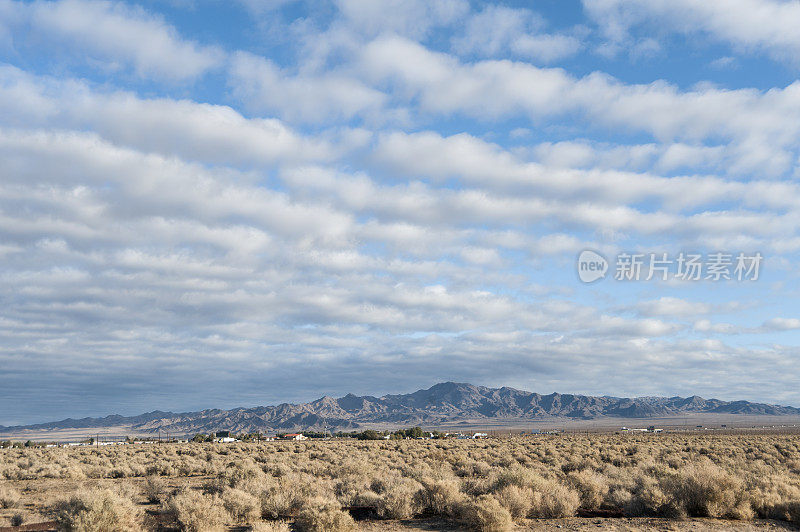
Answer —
439 497
772 495
196 512
704 489
271 526
348 487
245 476
793 510
473 468
476 486
284 496
517 476
647 498
324 515
592 487
154 489
700 489
243 507
9 497
485 514
545 497
516 500
97 511
552 499
399 499
17 520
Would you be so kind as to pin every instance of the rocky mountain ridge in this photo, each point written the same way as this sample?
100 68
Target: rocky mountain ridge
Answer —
442 403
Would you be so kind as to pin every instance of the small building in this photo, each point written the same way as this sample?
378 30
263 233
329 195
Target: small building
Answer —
223 434
479 435
296 437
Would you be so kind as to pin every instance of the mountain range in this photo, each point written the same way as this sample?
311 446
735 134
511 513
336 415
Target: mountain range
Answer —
442 403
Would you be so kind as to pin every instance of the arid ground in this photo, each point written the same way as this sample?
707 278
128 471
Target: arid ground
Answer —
667 481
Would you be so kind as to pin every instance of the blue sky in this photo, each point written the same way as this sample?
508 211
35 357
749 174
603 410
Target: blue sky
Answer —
217 204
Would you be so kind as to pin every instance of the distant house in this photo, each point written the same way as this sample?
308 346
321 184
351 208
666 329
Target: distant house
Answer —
225 440
479 435
223 434
296 437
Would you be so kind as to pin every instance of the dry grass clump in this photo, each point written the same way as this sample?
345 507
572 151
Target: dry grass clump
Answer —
196 512
242 507
697 489
285 496
271 526
439 497
703 489
393 496
525 493
324 515
484 513
154 489
773 496
553 499
9 497
518 501
592 487
97 511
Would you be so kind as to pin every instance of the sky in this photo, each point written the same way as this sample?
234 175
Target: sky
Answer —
212 204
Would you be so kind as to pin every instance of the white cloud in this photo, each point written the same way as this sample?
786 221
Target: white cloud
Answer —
673 306
498 30
782 324
119 35
764 126
750 25
304 98
216 134
413 18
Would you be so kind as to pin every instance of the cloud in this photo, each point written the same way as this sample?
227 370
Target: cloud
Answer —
384 194
497 30
763 125
765 26
304 98
672 306
120 36
782 324
216 134
412 18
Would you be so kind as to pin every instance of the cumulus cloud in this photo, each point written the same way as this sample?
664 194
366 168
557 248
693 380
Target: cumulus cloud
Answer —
118 35
497 30
673 306
215 134
305 98
413 18
782 324
749 25
491 90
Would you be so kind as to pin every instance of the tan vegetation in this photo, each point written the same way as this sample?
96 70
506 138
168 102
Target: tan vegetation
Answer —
484 485
97 511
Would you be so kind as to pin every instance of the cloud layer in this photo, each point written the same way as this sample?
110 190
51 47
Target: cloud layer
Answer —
337 200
